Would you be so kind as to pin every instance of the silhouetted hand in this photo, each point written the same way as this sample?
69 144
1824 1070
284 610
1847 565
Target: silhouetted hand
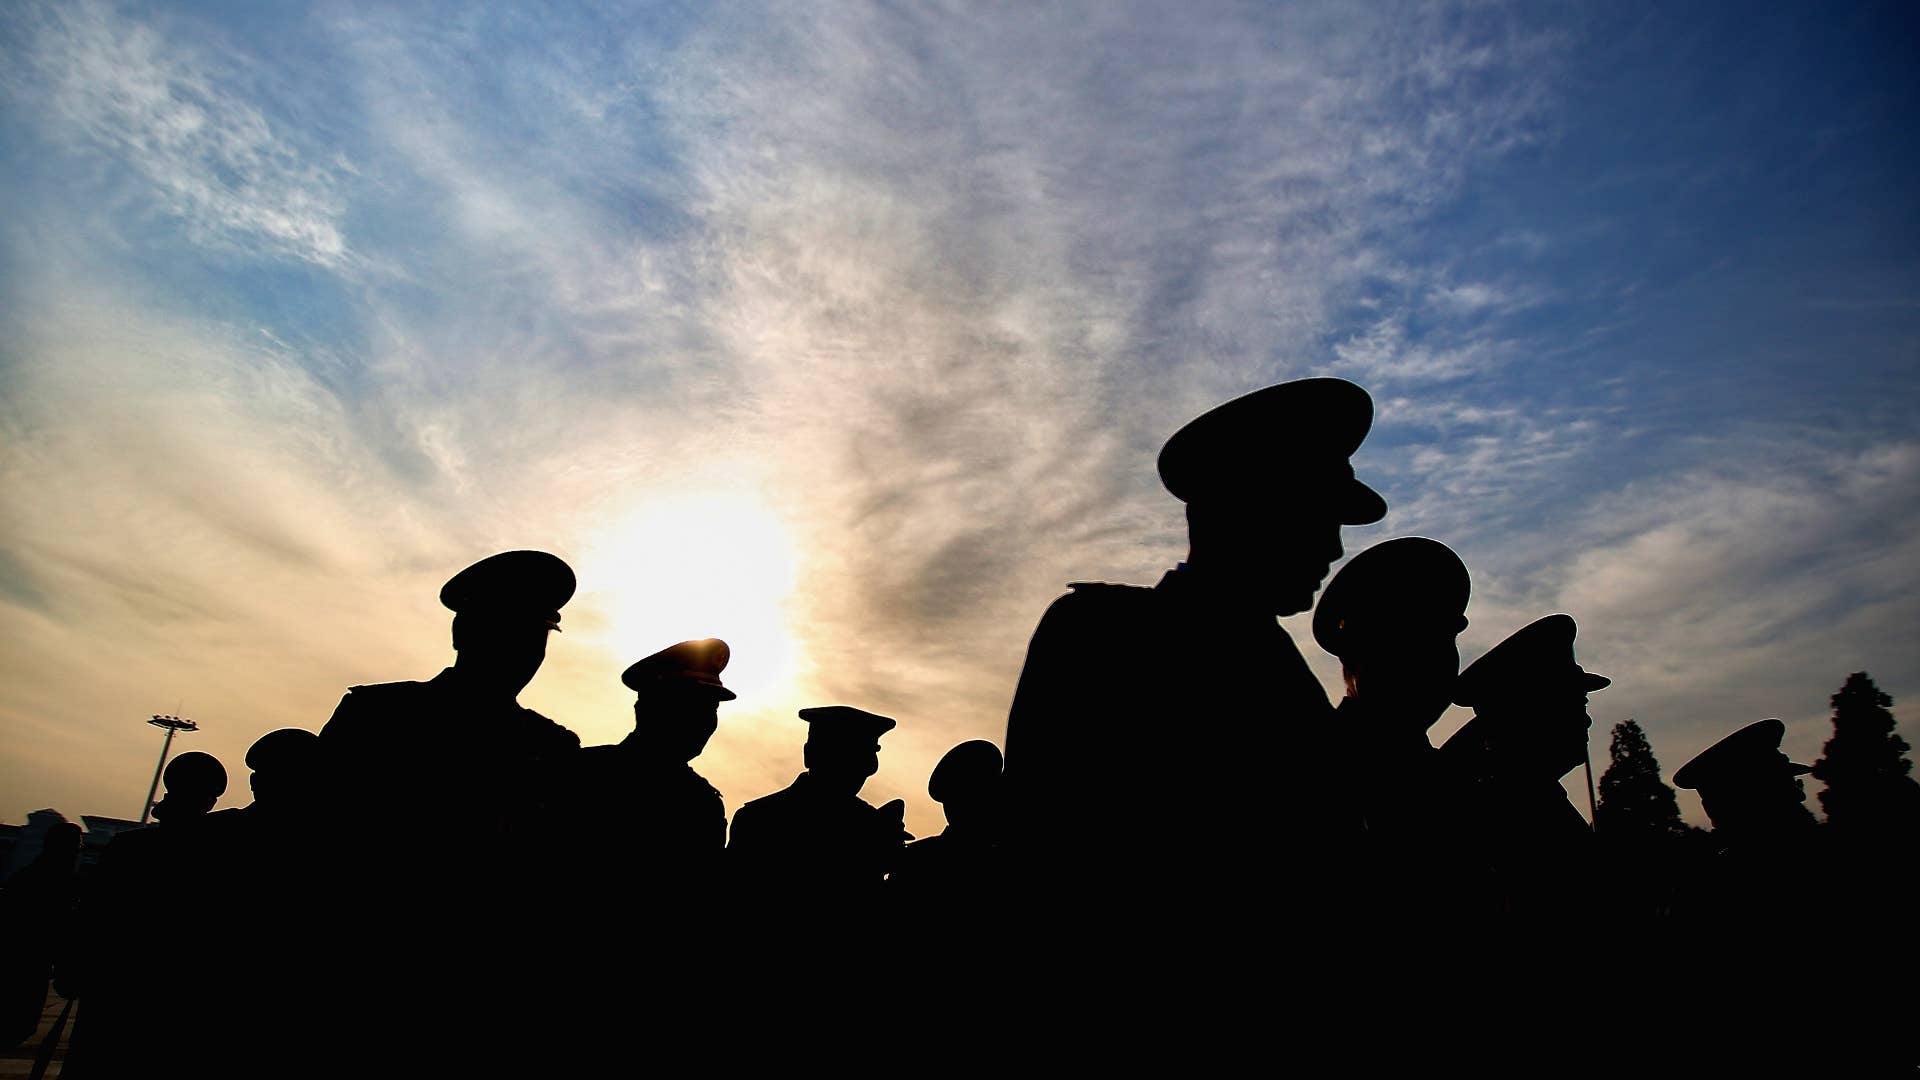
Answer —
893 817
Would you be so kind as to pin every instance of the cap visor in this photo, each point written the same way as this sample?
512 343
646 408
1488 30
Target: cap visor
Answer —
1590 681
1361 505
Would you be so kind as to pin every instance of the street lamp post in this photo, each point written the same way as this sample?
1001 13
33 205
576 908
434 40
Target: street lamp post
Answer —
172 724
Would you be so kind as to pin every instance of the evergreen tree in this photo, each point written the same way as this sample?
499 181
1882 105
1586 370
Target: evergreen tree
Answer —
1864 765
1634 802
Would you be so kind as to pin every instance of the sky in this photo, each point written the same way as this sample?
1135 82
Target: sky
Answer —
848 333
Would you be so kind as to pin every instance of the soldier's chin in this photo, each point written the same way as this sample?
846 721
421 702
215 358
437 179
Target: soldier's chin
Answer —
1292 600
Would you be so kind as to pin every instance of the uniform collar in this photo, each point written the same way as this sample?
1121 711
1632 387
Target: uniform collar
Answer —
1215 593
459 685
634 746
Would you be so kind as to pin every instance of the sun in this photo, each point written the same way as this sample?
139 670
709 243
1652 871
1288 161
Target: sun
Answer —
677 565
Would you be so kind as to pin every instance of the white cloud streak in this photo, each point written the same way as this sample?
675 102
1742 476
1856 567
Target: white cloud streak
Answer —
136 94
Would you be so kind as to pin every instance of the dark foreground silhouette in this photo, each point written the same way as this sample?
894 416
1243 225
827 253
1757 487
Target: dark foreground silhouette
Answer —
1188 860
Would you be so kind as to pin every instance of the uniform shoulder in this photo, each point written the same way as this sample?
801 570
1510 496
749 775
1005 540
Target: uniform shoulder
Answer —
770 803
700 783
551 733
752 807
368 710
1104 590
1090 605
386 691
754 824
928 846
1093 597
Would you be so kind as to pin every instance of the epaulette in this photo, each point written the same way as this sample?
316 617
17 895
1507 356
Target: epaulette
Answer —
1092 606
386 689
1108 592
561 735
1105 586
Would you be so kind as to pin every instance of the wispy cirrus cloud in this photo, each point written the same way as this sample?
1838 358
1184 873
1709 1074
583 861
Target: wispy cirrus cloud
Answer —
143 96
984 263
1384 357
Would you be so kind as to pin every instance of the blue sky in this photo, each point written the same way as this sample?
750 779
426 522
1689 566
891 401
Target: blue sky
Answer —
849 334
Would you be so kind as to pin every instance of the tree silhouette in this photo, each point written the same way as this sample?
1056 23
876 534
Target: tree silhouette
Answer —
1634 802
1865 766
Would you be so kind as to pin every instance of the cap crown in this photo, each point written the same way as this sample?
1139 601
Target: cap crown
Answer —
1536 657
1292 439
845 722
1406 581
968 767
1752 751
195 772
690 664
512 584
280 748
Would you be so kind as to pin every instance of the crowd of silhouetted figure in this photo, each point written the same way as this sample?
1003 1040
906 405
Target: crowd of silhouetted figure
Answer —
1188 856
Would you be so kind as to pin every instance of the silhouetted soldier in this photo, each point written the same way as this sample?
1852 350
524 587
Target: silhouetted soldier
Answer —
807 865
452 880
284 780
1754 796
817 841
945 897
287 800
1750 789
268 861
961 866
1529 729
652 833
1526 876
1770 872
36 913
664 826
1392 615
460 743
1162 714
134 987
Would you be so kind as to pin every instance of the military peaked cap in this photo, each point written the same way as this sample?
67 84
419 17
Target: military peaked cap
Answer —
195 773
287 746
1289 441
1406 581
1751 751
1538 656
966 769
845 722
513 584
690 664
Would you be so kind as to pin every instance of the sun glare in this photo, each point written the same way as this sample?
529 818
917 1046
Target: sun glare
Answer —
683 565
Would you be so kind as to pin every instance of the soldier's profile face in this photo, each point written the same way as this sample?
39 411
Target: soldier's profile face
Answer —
1565 729
1765 796
1542 728
685 721
1408 664
508 652
1280 551
843 758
